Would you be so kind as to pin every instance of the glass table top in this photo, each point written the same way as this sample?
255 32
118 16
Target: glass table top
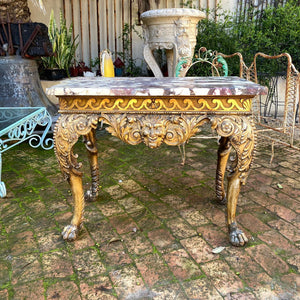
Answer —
14 116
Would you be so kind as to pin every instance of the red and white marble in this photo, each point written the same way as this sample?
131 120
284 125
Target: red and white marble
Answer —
151 86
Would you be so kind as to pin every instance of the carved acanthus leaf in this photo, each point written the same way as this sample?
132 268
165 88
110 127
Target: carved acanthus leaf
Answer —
67 130
153 130
241 133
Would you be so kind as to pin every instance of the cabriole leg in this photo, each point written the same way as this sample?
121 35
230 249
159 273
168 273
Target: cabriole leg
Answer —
150 60
236 236
90 144
223 154
239 131
70 232
67 131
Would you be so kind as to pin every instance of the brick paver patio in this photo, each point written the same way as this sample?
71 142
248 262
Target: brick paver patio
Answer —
151 233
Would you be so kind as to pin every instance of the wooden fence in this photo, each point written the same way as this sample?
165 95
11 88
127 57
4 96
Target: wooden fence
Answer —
99 24
246 8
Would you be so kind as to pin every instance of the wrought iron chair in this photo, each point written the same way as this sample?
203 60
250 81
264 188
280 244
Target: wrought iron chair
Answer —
217 63
286 126
283 129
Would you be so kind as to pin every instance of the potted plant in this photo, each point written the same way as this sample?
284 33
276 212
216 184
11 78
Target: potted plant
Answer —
64 46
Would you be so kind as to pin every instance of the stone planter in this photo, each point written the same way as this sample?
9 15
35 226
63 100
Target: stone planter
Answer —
173 29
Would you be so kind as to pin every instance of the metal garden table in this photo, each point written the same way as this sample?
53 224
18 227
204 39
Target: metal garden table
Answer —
153 111
18 124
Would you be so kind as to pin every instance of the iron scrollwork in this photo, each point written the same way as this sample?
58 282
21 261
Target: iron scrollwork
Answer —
26 130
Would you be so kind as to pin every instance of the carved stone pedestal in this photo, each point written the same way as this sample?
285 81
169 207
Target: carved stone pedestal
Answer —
173 29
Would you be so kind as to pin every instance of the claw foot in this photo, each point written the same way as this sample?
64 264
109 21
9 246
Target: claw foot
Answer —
222 200
90 196
70 232
237 236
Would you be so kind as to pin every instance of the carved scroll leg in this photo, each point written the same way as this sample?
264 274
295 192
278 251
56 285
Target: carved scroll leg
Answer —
66 133
170 62
150 60
243 140
90 144
70 232
240 131
223 154
236 236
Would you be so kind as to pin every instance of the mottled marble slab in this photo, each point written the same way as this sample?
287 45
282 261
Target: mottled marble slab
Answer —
173 12
152 86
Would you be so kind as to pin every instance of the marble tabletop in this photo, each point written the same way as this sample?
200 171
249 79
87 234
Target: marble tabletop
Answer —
152 86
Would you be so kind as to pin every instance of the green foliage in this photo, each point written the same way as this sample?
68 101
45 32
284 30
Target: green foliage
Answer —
208 63
63 45
131 69
215 35
276 31
95 63
188 4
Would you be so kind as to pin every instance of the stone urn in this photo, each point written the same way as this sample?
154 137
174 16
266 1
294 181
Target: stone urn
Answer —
172 29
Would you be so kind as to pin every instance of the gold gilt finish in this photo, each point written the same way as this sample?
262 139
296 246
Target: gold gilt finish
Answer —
137 120
169 104
153 129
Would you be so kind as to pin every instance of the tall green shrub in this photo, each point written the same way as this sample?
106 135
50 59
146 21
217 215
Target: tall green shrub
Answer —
215 35
275 32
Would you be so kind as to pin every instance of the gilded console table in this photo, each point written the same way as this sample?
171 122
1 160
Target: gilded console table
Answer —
155 111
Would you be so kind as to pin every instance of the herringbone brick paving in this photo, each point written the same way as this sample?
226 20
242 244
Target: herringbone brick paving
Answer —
151 233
